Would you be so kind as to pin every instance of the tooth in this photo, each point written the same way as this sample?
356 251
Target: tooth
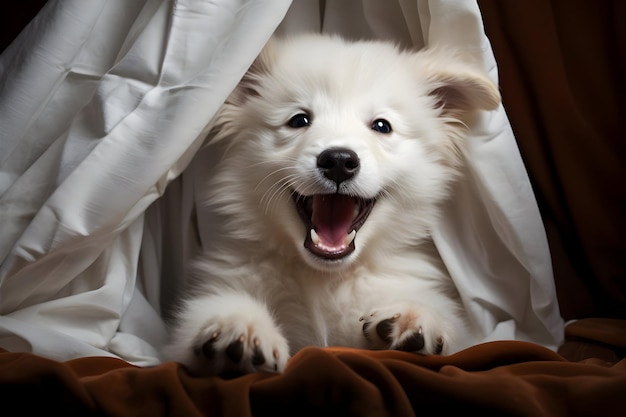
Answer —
349 237
314 237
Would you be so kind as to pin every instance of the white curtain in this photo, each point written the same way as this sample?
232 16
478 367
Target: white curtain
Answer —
105 103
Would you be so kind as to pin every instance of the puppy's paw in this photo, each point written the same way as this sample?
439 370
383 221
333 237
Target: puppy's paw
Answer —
231 333
408 328
241 345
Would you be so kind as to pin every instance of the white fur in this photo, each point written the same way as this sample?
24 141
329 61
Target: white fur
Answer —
259 284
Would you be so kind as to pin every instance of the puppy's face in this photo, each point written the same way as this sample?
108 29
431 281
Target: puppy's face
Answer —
347 148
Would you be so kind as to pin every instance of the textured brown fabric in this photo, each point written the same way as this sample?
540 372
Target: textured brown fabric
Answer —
498 378
562 66
595 338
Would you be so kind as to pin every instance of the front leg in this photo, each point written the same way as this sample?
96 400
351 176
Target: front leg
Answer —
230 332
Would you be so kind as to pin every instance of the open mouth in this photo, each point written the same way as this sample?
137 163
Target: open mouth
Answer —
332 222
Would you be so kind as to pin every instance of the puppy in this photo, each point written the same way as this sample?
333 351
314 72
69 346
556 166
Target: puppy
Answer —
335 159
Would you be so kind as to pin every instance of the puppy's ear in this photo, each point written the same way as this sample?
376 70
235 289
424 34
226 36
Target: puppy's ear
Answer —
248 86
457 86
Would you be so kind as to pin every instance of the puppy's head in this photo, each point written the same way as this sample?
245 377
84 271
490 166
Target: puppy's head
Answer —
338 149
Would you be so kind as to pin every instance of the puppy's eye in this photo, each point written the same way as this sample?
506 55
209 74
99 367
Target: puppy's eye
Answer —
381 126
299 120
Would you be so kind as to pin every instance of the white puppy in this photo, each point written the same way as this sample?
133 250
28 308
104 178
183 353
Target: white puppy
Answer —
336 158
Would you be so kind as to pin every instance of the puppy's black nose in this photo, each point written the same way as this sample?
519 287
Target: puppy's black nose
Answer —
338 164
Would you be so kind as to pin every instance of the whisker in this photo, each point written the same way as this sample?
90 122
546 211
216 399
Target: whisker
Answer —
286 184
292 160
271 197
271 174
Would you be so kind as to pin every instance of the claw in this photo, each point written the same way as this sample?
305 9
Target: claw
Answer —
439 346
275 355
207 349
366 326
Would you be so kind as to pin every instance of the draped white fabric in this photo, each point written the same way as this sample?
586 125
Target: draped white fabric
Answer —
104 103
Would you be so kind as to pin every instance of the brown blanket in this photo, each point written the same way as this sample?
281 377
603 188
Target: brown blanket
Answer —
497 378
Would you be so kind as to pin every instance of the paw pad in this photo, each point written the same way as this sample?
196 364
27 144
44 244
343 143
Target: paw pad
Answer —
384 329
412 343
257 354
234 351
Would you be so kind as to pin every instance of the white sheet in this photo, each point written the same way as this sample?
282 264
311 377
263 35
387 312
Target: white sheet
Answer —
104 103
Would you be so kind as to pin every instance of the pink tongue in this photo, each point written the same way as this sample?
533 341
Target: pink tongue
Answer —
332 217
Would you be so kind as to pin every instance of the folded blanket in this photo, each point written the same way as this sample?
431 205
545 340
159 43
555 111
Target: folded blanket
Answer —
505 378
